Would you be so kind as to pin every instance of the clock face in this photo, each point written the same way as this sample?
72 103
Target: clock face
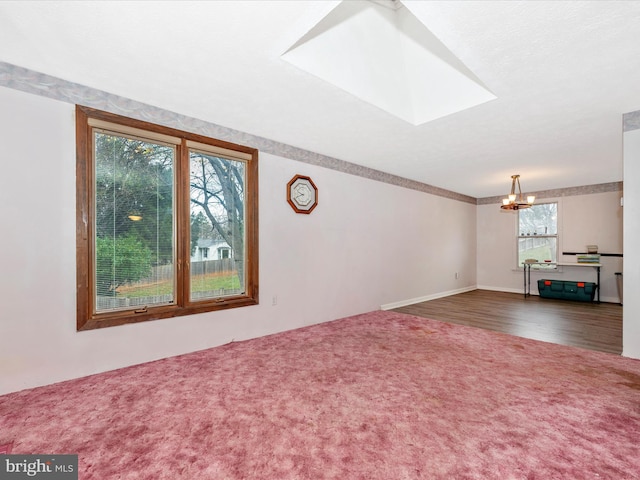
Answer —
302 194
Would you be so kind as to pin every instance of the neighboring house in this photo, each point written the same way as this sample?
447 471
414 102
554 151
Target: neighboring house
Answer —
207 249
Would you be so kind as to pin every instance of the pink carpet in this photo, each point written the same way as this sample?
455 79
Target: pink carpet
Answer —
375 396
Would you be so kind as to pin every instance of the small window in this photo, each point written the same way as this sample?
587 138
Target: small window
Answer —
145 195
538 234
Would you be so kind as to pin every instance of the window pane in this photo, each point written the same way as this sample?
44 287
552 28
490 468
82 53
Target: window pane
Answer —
538 248
217 225
134 248
540 219
538 230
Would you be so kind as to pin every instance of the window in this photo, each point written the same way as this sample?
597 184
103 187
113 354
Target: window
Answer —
538 234
205 252
145 195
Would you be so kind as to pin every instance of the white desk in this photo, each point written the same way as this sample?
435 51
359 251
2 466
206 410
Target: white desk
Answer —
527 274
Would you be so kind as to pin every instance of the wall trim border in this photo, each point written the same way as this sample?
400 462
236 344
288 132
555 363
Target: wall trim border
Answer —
564 192
29 81
631 121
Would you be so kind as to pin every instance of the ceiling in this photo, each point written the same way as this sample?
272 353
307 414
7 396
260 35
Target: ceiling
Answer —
563 73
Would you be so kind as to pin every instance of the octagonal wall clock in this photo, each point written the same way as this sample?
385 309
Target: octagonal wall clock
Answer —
302 194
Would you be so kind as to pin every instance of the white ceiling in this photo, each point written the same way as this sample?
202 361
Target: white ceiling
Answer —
563 74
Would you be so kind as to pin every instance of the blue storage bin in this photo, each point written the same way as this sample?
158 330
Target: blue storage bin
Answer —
567 290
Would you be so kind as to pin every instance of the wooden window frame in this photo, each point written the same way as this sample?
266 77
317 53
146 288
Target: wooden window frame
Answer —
86 316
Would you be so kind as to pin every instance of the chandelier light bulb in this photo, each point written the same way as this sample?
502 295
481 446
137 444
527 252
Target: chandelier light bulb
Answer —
515 199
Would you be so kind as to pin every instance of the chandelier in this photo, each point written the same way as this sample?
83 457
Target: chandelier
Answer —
515 200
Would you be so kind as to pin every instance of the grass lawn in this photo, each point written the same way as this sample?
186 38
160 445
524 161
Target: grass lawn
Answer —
200 283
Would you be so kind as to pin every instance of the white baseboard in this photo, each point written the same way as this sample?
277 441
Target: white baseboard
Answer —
521 292
426 298
501 289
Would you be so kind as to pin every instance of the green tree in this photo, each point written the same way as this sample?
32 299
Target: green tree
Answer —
120 261
199 227
134 179
134 192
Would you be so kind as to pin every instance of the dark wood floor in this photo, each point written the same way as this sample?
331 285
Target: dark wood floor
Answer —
580 324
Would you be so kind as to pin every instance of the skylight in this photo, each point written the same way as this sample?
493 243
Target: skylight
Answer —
381 53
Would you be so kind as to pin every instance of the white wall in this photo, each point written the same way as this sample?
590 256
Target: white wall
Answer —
631 312
582 220
366 244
